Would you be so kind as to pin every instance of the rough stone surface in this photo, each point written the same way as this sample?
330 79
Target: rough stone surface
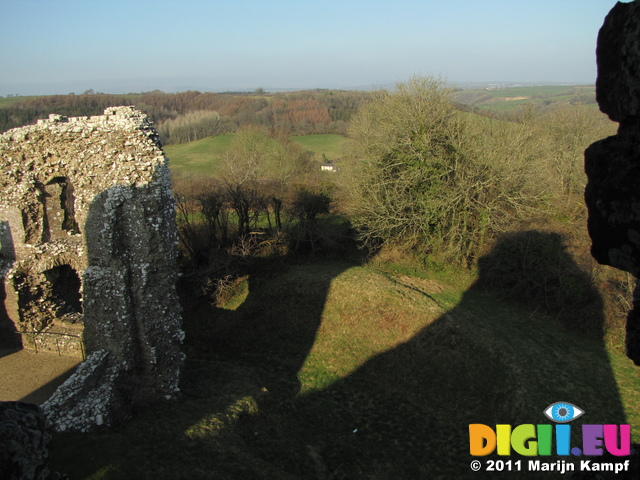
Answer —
618 54
88 252
613 164
91 397
24 442
613 199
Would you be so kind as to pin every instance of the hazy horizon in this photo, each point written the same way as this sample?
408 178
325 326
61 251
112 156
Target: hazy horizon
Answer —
70 46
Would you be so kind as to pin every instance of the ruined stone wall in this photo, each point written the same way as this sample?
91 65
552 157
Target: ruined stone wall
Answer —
25 442
88 247
613 164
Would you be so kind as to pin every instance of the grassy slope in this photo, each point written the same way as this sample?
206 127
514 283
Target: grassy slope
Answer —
540 92
333 146
202 157
336 370
505 99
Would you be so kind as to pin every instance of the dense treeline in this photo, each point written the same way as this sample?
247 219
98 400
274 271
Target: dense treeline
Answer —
29 110
301 113
192 115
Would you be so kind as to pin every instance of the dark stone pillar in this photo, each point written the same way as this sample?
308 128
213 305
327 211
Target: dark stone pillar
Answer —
24 442
613 164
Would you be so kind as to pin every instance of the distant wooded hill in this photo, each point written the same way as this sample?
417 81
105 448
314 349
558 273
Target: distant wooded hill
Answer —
187 116
499 99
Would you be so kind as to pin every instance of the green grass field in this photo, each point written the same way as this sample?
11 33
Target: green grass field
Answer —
202 157
540 91
514 97
341 370
333 146
8 101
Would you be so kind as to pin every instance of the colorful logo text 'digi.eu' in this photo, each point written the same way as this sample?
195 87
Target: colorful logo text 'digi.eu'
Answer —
531 440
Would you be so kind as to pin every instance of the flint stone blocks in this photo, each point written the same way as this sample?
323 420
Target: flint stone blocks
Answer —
88 237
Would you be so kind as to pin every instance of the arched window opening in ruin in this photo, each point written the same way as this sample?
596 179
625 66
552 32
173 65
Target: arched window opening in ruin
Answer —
60 189
48 298
65 292
50 311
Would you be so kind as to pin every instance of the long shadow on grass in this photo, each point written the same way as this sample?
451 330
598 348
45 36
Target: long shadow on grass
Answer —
271 333
239 362
406 412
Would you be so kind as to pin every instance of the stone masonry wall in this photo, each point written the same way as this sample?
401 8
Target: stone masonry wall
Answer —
88 248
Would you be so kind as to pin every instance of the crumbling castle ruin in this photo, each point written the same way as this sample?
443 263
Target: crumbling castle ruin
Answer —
88 260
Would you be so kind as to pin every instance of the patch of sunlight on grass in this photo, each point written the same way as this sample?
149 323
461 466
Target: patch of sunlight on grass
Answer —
316 375
214 424
205 428
366 314
333 146
449 298
238 296
627 377
110 471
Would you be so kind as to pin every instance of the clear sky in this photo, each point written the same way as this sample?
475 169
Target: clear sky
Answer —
116 46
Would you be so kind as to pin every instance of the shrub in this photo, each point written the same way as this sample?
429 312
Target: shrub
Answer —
535 268
429 177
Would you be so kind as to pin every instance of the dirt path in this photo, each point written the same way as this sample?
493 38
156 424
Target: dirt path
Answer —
31 377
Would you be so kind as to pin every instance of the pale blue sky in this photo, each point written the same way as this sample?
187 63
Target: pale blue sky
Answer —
63 46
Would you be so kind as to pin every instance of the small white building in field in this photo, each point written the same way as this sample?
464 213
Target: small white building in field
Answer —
328 167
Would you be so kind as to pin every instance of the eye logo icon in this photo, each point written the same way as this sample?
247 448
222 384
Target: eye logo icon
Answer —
563 412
